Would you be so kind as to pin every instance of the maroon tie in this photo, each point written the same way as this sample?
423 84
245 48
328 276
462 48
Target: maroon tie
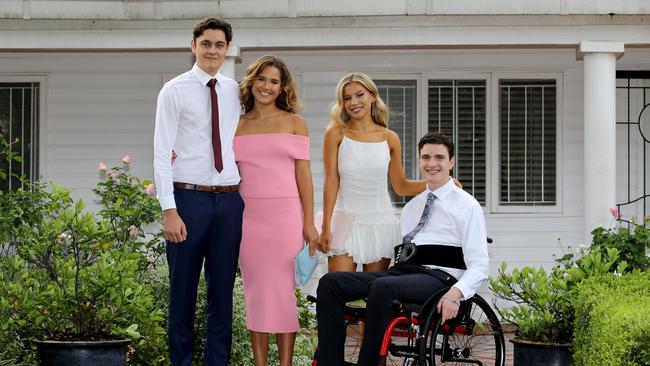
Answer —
216 138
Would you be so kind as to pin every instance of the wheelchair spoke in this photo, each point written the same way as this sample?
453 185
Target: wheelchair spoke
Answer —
474 338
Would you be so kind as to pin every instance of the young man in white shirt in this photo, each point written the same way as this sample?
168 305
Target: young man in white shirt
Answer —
196 117
454 223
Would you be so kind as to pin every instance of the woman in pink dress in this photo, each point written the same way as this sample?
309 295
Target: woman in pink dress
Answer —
272 150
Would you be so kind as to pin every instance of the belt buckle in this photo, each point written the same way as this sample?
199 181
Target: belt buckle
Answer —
406 253
214 189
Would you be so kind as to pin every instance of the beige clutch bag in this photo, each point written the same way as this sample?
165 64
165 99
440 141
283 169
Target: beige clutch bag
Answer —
340 226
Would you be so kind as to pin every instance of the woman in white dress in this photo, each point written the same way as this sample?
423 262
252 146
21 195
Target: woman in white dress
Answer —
359 153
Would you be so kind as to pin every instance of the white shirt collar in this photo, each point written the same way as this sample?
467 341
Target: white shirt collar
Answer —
442 191
204 77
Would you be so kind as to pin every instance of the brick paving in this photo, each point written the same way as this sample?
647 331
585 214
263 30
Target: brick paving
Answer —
352 346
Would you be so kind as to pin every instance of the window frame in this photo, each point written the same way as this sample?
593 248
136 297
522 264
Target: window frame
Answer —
418 114
494 130
423 125
42 113
493 164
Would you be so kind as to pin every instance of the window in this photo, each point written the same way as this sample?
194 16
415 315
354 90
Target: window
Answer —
504 127
527 142
19 116
457 108
401 98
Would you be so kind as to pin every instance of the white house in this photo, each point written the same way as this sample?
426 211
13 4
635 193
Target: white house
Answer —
548 137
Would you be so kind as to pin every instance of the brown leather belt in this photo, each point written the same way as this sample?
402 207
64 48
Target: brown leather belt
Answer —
213 189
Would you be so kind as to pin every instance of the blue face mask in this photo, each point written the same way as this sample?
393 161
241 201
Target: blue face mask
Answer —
305 266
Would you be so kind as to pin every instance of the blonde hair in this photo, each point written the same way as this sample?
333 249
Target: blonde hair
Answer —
379 111
287 100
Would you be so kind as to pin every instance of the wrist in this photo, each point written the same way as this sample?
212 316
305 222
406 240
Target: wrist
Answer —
170 212
457 302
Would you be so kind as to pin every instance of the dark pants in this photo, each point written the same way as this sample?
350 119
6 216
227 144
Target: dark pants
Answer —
407 284
213 222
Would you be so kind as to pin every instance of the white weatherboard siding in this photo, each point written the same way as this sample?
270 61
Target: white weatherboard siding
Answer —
183 9
100 106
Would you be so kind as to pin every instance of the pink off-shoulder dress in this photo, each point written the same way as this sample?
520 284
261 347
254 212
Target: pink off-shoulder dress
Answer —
272 227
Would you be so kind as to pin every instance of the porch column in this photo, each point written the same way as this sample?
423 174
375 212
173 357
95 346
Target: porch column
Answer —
599 131
232 57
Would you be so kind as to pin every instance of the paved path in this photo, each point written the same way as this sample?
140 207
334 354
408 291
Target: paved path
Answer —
353 344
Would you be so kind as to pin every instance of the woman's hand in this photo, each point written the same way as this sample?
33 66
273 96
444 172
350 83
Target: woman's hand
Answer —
310 234
458 183
324 241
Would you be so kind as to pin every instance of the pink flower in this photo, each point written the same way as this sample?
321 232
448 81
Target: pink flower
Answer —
113 175
150 189
101 167
126 159
133 230
615 213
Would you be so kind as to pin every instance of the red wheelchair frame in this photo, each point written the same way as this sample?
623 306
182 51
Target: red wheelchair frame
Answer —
474 337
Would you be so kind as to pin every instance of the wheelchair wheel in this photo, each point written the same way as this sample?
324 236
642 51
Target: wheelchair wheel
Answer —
474 337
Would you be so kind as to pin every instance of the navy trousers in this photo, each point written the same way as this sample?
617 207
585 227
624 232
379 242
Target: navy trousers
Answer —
213 222
407 284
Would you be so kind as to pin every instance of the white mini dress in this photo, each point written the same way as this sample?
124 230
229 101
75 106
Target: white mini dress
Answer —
363 192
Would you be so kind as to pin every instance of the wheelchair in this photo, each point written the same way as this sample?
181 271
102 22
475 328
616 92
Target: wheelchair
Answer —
415 336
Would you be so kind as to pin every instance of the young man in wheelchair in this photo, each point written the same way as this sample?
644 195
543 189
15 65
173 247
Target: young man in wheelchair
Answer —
447 227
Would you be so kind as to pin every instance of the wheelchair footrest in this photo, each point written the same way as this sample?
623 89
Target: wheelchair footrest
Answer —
403 350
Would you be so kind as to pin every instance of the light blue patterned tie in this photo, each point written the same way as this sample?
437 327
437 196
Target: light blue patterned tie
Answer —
426 213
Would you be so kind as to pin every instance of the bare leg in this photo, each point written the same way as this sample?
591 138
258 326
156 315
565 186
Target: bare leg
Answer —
285 347
381 265
341 263
260 343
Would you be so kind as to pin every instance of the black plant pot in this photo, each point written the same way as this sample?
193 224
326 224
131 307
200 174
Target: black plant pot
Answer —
82 353
528 353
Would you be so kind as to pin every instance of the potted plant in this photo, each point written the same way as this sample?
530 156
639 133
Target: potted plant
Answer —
72 281
540 304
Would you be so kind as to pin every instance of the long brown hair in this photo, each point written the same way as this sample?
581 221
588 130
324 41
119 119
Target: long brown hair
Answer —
287 100
379 111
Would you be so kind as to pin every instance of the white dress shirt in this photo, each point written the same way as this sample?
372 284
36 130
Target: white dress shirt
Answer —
184 125
456 220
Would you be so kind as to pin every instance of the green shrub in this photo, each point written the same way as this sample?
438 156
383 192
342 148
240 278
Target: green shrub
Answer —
543 301
67 279
128 205
69 275
614 326
632 243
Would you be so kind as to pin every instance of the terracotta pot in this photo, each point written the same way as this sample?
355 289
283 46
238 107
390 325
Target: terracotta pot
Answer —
78 353
527 353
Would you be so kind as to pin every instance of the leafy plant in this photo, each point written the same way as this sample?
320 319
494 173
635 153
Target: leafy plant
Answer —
68 275
8 155
129 206
632 243
543 301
